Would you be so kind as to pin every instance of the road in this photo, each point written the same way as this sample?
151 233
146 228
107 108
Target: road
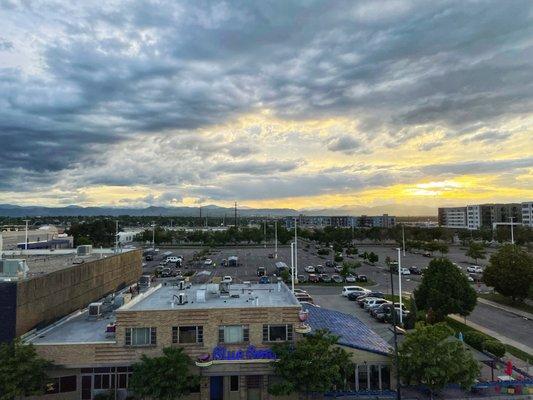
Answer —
501 321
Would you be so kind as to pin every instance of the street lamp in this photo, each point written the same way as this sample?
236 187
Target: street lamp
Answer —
400 282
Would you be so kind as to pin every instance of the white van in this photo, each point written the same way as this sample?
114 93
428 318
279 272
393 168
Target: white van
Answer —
173 259
346 290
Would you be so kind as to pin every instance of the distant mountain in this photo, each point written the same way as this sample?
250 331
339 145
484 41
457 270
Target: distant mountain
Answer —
9 210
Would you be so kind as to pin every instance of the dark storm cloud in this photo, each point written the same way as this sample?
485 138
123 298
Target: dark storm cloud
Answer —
120 71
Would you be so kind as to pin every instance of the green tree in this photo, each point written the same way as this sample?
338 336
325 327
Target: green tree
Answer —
22 371
510 272
429 357
313 364
165 377
445 290
373 257
348 267
476 251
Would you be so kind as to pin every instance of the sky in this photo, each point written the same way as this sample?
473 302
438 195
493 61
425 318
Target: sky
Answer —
304 104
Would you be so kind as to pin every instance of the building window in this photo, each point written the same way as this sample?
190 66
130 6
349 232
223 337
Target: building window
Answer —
141 336
362 377
63 384
374 377
233 334
187 334
234 383
385 377
275 333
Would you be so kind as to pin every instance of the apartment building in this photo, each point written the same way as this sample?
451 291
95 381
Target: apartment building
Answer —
452 217
527 214
227 329
363 221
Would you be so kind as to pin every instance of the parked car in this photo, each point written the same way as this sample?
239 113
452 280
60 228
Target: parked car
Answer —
325 278
314 278
351 278
384 311
353 289
227 279
270 255
172 259
362 278
300 291
261 271
309 269
149 257
360 298
302 278
337 268
329 264
208 261
415 270
476 269
405 271
264 280
166 273
337 278
304 298
373 302
427 254
319 269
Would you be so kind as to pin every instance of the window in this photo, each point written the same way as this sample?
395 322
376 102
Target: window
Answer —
374 377
63 384
274 333
187 334
234 383
362 377
233 334
385 377
140 336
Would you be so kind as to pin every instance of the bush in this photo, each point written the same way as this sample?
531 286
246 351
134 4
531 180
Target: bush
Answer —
338 258
475 339
323 252
494 347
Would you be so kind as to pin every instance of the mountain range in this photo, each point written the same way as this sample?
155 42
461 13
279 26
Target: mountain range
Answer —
9 210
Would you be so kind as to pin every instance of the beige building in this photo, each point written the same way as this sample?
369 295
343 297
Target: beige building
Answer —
227 329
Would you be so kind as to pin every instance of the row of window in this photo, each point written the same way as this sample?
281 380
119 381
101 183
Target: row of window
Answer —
195 334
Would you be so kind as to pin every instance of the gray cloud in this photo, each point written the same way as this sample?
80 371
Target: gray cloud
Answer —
127 71
478 167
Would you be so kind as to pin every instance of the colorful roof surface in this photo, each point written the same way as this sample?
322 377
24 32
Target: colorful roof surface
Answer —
352 332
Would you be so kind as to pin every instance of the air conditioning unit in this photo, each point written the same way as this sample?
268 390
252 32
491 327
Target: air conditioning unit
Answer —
181 285
84 250
145 282
95 310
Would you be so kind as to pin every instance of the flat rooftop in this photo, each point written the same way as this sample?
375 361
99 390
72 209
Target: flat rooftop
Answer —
240 295
76 328
42 262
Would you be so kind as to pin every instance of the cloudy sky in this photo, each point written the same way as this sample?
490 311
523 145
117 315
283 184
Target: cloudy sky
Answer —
304 104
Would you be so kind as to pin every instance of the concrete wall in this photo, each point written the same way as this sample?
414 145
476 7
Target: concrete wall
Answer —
44 299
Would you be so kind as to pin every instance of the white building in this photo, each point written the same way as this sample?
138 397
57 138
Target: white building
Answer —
453 217
473 216
527 214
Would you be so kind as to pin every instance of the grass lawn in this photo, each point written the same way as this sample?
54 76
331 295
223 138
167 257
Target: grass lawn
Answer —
498 298
406 300
460 327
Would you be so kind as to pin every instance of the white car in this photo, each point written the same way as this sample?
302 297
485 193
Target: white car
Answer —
405 271
227 279
173 259
373 302
476 269
300 291
208 262
310 269
346 290
350 278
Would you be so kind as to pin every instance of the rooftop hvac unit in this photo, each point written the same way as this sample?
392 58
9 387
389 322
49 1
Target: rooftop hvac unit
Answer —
182 298
84 250
12 268
181 285
224 288
145 281
95 310
200 296
212 288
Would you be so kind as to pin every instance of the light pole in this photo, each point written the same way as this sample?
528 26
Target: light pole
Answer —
265 232
26 235
295 247
393 321
275 239
153 235
403 240
116 236
400 283
292 266
512 230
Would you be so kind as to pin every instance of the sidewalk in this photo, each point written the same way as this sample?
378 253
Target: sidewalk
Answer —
509 309
496 335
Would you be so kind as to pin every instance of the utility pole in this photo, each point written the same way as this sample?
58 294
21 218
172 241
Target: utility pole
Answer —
403 240
275 239
265 231
292 266
393 321
400 283
512 230
26 235
296 247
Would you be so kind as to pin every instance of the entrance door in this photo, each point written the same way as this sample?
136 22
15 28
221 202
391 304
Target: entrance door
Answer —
253 386
216 388
86 387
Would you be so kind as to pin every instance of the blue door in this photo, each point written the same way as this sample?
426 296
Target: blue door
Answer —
216 388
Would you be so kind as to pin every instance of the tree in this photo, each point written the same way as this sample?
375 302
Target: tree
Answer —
348 267
22 371
313 364
445 290
429 357
373 257
510 272
165 377
476 251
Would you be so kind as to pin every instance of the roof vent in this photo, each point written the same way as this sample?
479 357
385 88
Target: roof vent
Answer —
95 310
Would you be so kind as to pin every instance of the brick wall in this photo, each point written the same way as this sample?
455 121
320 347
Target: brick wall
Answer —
43 299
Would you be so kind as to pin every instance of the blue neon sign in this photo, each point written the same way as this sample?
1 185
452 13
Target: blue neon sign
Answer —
250 353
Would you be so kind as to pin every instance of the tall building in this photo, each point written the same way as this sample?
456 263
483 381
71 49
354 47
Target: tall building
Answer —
527 214
453 217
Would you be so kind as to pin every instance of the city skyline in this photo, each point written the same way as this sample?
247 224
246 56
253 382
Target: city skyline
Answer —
272 105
